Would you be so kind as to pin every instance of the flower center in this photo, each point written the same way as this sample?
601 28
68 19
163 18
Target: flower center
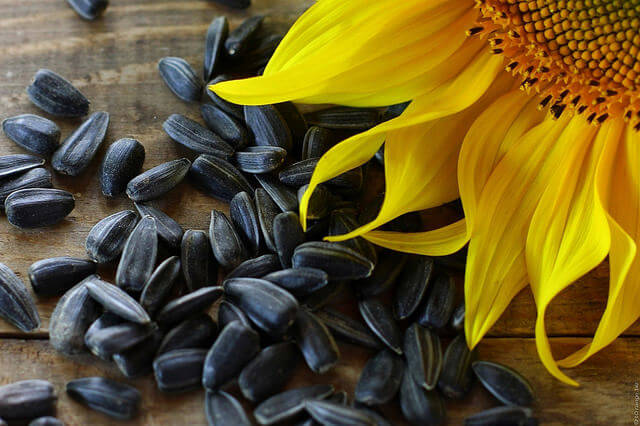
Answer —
581 55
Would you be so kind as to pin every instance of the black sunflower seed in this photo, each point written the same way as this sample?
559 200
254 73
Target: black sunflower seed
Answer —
299 281
423 353
196 332
316 342
269 371
380 378
339 262
218 178
268 126
213 46
183 307
37 207
317 141
158 181
32 132
509 415
198 267
412 286
457 318
256 267
116 301
122 162
239 39
179 370
260 159
46 421
138 360
180 78
16 304
169 230
380 320
107 238
334 414
344 118
56 275
244 216
106 320
347 328
384 275
342 222
228 248
224 125
27 399
440 302
234 110
196 137
34 178
283 196
325 295
418 406
506 384
267 211
318 206
112 398
228 312
256 56
18 163
89 9
78 149
300 173
57 96
287 235
456 375
222 408
288 404
291 114
117 338
138 256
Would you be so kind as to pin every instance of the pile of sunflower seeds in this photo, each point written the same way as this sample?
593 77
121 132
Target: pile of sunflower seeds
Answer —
279 284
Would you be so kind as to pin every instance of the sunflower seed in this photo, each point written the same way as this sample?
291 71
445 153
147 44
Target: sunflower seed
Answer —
260 159
317 141
269 307
380 320
341 223
106 320
347 328
267 211
27 399
122 162
118 338
137 361
16 304
334 414
213 46
423 352
395 110
54 276
196 137
506 384
109 397
169 230
18 163
180 77
107 238
269 371
158 181
457 318
218 178
116 301
256 56
71 318
32 132
298 174
325 295
228 248
46 421
234 110
198 268
196 332
344 118
222 409
228 312
340 263
375 416
440 302
244 216
232 131
291 114
236 345
57 96
179 370
510 415
256 267
316 342
34 178
318 205
418 406
287 404
89 9
412 286
316 229
138 256
380 378
240 38
181 308
299 281
384 275
268 126
288 235
456 375
79 148
38 207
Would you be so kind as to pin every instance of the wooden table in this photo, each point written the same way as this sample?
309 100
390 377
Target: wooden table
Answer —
113 61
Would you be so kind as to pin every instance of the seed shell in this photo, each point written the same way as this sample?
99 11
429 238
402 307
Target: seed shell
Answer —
267 212
344 118
196 137
256 267
509 415
218 178
27 399
256 56
290 112
334 414
106 320
18 163
222 409
181 308
418 406
342 222
158 181
506 384
317 141
56 275
32 132
122 162
268 126
179 370
180 77
34 178
318 205
228 248
105 342
196 332
440 302
112 398
348 329
380 378
38 207
412 286
169 230
423 352
16 304
57 96
234 110
339 262
228 312
287 235
298 174
240 38
232 131
89 9
213 46
316 342
269 371
79 148
299 281
138 256
380 320
289 403
137 361
244 216
456 375
196 257
107 238
116 301
260 159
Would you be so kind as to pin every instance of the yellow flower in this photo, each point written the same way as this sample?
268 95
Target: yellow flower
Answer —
543 155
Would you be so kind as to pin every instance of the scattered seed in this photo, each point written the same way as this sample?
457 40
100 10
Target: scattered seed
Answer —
224 125
440 302
158 181
267 211
380 378
196 137
38 207
222 408
34 178
107 238
380 320
180 77
218 178
334 414
138 256
509 415
116 301
137 361
213 46
317 141
256 267
316 342
89 9
108 341
122 162
268 126
344 118
197 332
299 173
56 275
181 308
228 312
179 370
198 268
228 248
245 218
418 406
18 163
79 148
348 329
412 286
423 353
288 404
456 375
112 398
287 235
106 320
339 262
16 304
256 56
169 230
239 39
269 371
32 132
57 96
299 281
260 159
27 399
506 384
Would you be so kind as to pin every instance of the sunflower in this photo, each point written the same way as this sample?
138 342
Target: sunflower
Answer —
526 110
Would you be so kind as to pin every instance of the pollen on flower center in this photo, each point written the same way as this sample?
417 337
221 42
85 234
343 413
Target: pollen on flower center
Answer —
581 55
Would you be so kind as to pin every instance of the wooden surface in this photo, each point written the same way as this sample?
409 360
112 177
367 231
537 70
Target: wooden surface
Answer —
113 61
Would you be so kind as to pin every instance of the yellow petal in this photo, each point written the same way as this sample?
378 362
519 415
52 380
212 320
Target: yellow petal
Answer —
618 184
569 234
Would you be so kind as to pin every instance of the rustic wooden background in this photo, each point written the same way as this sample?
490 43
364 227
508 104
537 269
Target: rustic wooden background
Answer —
113 61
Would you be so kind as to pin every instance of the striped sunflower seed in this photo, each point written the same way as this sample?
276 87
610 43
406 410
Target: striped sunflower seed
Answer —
456 375
27 399
183 307
106 320
289 111
228 248
316 342
224 125
509 415
347 328
38 207
440 302
380 320
335 414
318 206
228 312
223 409
169 230
506 384
256 56
89 9
380 378
244 216
196 332
267 305
418 406
116 301
158 181
46 421
159 286
344 118
269 371
342 222
56 275
395 110
325 295
423 353
218 178
317 141
107 238
32 132
412 286
196 257
34 178
384 276
79 148
457 318
108 341
260 159
234 110
288 404
18 163
299 281
179 370
138 256
240 38
196 137
137 361
71 318
298 174
287 235
57 96
180 77
267 212
122 162
16 304
339 262
109 397
268 126
236 345
214 46
316 229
